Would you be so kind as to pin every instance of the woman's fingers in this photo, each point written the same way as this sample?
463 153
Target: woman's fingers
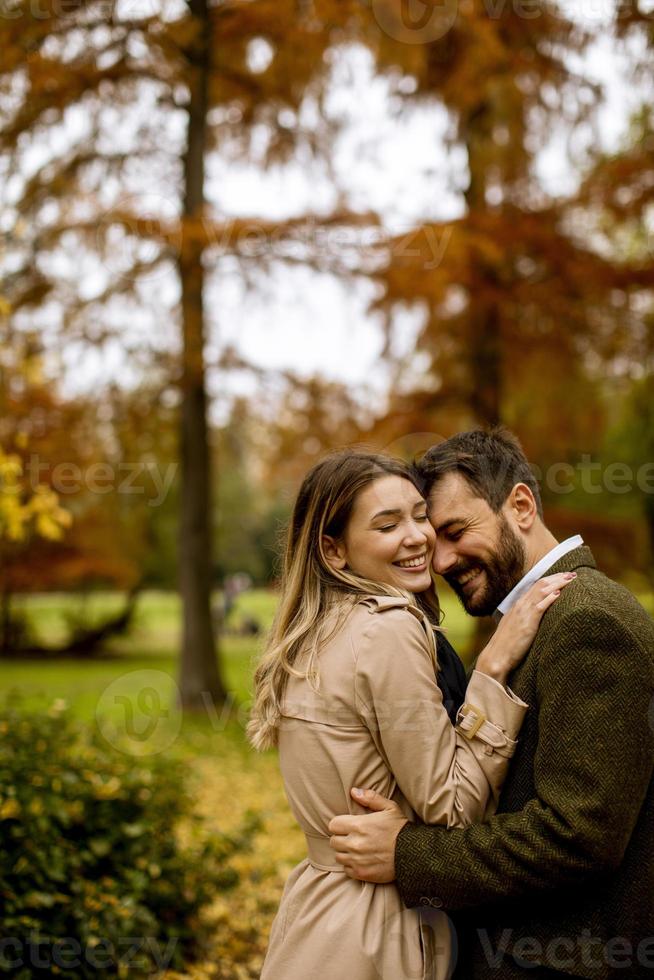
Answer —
548 601
550 588
546 591
517 629
547 586
558 581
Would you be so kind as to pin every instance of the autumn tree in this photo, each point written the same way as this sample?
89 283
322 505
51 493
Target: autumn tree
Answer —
22 514
67 463
617 200
26 512
99 113
516 302
522 315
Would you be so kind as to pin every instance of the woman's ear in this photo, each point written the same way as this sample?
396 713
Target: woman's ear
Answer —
334 552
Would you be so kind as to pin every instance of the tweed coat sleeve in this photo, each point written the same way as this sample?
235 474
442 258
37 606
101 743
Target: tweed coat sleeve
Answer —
446 777
592 766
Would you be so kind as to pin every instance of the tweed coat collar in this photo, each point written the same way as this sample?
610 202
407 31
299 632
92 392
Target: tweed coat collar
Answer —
579 558
536 572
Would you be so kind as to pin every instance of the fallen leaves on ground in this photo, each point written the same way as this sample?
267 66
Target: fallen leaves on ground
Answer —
231 782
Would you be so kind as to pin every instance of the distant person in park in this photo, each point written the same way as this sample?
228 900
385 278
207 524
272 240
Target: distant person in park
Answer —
560 881
359 687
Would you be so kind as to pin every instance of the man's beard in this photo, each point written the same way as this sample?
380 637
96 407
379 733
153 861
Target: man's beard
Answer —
503 570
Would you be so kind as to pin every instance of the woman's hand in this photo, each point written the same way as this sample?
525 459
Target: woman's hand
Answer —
516 631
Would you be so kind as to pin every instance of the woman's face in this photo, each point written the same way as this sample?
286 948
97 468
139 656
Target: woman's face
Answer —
388 538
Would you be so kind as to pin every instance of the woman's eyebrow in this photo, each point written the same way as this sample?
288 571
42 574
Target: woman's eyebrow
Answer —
391 512
386 513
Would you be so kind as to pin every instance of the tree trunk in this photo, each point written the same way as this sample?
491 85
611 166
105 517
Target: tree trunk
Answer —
649 518
5 620
486 365
485 353
200 679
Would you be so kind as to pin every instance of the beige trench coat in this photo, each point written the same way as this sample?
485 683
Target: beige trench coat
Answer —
378 721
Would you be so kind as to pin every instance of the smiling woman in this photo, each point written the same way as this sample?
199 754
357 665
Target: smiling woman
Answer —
388 537
358 687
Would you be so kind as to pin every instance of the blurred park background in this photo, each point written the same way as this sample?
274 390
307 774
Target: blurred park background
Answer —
235 234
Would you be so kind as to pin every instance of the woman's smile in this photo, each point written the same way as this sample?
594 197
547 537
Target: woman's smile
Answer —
415 564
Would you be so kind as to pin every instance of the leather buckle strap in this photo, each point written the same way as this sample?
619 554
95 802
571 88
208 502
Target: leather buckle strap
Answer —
470 720
472 723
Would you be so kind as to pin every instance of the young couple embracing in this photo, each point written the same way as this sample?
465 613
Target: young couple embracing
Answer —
457 823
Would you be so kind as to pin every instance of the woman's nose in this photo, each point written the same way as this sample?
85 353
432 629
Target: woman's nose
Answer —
416 534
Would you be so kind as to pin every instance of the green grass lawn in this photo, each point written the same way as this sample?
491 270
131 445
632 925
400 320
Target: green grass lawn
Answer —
152 646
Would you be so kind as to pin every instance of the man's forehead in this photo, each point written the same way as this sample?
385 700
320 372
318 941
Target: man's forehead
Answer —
452 497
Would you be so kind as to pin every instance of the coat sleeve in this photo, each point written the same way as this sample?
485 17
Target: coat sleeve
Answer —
592 766
448 777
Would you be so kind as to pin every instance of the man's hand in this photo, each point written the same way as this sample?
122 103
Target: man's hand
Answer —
365 845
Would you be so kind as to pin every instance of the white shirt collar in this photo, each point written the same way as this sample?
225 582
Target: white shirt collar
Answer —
538 571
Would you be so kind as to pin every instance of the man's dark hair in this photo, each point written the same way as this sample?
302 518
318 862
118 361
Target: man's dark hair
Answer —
491 462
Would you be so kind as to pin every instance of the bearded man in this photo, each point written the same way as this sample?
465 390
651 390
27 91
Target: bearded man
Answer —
560 881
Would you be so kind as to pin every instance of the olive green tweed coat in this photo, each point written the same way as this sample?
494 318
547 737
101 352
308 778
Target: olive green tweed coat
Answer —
563 874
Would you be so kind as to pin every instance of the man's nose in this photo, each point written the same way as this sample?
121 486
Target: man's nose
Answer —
444 558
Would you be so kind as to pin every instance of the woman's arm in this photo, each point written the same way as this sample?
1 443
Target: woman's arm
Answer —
449 776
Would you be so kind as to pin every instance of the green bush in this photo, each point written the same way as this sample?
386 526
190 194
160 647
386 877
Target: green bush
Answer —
93 877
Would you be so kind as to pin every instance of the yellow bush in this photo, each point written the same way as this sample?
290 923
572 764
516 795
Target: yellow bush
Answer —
24 511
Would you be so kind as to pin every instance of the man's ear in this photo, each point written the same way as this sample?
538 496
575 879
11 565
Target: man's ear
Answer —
522 506
334 552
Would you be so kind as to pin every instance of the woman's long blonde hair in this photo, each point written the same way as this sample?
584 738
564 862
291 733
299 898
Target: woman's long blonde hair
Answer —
310 587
